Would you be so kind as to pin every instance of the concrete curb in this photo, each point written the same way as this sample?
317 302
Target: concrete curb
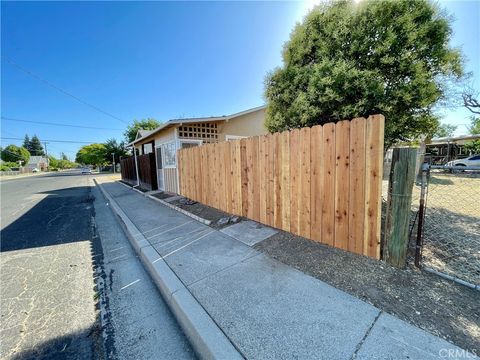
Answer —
206 338
171 206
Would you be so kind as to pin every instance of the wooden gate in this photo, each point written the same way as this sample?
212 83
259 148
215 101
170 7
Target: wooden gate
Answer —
322 183
147 172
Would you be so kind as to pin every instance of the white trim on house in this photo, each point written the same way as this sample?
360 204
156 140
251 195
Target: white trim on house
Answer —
234 137
245 112
177 144
156 169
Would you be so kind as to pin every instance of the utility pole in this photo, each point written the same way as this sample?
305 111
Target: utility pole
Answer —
113 157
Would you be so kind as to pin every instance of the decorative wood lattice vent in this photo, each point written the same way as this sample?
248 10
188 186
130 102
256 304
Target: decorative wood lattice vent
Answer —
208 132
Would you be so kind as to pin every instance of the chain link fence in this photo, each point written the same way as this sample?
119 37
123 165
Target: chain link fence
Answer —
450 242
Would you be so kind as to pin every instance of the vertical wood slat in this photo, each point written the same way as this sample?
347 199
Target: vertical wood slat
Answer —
251 193
295 181
237 178
243 176
373 187
227 153
316 182
328 196
277 174
357 185
255 179
304 222
262 169
270 158
323 183
285 179
342 177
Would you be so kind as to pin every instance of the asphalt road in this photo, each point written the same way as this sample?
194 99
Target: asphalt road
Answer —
53 248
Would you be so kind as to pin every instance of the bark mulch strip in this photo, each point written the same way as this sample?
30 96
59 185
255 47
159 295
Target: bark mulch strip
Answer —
439 306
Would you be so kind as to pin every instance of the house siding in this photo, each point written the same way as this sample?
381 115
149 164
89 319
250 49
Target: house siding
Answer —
251 124
170 178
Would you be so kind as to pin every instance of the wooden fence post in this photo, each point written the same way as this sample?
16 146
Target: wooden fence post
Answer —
397 219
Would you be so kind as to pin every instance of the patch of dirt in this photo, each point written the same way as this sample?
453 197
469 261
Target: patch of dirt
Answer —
163 195
205 212
439 306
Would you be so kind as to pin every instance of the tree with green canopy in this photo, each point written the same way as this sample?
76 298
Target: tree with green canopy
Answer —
13 153
62 163
474 128
347 60
93 154
116 148
144 124
35 146
445 130
26 142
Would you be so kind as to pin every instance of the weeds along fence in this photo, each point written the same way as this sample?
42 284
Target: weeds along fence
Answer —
323 183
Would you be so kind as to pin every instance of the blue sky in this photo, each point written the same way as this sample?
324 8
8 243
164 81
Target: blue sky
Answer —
154 59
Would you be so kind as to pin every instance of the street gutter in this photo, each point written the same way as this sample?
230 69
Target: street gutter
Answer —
206 338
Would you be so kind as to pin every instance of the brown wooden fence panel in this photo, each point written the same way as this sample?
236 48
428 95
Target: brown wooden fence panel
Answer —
147 171
127 169
323 183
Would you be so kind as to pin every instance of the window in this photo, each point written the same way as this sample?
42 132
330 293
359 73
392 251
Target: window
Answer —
159 158
147 148
189 143
169 158
475 157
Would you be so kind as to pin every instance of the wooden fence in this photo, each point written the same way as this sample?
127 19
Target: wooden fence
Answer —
322 183
147 172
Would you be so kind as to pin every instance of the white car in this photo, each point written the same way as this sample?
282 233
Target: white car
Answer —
86 170
473 160
35 170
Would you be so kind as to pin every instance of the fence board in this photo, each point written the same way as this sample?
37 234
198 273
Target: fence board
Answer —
323 183
243 176
147 172
262 170
285 177
328 196
270 190
295 181
342 183
357 185
237 178
304 188
316 182
277 182
373 187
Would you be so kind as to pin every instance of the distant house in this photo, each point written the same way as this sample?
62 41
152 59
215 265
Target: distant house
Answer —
442 150
180 133
39 162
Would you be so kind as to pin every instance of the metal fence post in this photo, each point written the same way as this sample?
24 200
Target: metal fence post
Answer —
421 215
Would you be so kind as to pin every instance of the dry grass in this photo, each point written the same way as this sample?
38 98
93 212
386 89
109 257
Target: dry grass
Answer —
452 224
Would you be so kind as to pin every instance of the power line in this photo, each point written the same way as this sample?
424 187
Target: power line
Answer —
59 141
13 63
56 124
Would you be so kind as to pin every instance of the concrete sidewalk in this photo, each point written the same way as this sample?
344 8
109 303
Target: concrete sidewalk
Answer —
266 309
